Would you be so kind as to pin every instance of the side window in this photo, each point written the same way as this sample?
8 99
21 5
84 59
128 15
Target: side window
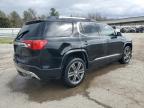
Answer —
107 30
58 29
89 28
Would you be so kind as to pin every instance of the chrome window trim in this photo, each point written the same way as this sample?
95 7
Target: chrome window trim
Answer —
78 23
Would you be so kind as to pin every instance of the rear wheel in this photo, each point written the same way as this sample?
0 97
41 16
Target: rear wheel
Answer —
127 54
74 72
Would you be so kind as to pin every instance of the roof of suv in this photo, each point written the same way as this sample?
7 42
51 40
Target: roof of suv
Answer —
67 19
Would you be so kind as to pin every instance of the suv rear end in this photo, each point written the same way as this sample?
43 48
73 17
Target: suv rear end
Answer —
36 53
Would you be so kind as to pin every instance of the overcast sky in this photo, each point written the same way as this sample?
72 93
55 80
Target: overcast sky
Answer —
109 8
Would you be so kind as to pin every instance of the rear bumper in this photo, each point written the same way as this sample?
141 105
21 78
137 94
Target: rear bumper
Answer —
33 71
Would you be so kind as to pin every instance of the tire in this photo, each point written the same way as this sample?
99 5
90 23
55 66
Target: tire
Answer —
127 54
74 72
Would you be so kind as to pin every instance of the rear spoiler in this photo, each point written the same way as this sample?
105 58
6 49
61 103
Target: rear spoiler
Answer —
34 21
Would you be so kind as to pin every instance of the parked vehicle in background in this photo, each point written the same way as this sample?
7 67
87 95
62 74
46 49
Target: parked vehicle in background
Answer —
132 29
66 47
140 29
125 30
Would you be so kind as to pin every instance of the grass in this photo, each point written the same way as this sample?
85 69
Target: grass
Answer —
6 40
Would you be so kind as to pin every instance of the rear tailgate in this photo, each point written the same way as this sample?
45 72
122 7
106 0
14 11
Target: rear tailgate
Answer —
23 54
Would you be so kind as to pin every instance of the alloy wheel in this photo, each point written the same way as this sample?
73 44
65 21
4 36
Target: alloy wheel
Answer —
127 54
76 72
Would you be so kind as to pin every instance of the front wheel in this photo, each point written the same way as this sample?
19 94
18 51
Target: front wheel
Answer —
127 54
74 72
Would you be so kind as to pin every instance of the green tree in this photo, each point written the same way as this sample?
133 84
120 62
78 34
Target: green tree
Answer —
2 14
96 16
53 12
15 19
4 23
29 14
32 12
42 17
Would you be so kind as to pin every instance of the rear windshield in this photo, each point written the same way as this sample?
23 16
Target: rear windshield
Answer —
58 29
31 31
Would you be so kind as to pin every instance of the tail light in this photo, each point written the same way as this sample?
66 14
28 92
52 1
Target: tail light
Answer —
35 44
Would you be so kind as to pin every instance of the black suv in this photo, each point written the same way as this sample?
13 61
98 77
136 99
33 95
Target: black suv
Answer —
66 47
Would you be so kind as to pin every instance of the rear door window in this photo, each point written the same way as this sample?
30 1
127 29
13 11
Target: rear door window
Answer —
58 29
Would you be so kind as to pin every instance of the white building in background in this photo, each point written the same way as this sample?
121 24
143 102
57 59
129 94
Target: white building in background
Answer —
132 21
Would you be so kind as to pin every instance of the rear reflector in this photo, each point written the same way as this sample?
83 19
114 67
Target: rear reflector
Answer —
35 44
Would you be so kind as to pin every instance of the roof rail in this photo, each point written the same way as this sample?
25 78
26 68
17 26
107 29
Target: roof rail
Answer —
66 17
78 18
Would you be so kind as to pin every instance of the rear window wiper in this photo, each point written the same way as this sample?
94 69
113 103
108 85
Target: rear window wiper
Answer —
22 34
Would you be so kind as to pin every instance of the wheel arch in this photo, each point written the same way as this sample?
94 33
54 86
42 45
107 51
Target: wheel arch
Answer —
75 53
128 44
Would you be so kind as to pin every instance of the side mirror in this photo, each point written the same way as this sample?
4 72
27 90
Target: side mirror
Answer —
118 34
113 36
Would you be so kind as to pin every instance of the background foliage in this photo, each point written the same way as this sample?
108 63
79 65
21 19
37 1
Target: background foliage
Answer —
14 20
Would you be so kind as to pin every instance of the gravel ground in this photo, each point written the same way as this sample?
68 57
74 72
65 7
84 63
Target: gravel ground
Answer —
111 86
